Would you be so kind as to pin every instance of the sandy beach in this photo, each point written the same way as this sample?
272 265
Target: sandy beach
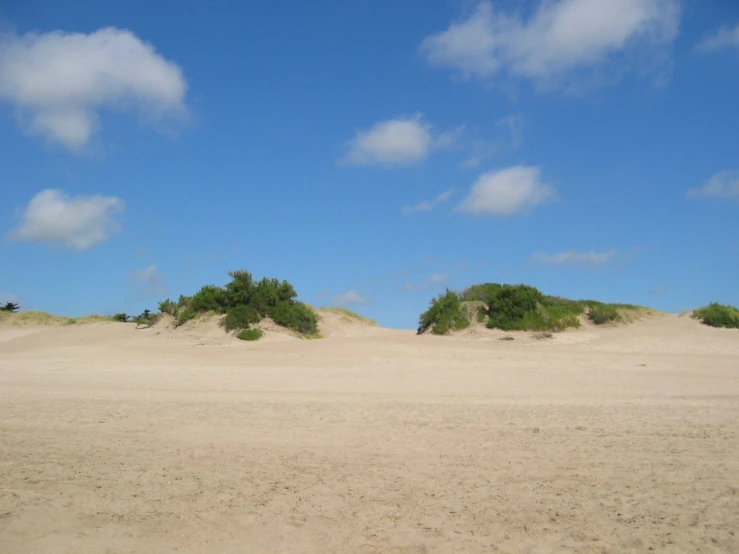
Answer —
117 440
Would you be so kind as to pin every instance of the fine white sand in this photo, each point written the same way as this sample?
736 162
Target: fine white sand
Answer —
116 440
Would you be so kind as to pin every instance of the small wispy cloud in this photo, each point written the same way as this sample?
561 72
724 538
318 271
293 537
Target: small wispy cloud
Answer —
79 222
724 184
507 192
399 141
148 281
510 136
573 258
434 280
428 205
724 38
660 289
349 298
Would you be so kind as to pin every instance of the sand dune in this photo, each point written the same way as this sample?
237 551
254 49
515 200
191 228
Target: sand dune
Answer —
118 440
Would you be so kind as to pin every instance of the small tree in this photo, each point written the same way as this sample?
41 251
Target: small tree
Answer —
10 307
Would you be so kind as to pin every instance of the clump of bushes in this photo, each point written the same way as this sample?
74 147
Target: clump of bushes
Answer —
603 313
245 303
718 315
515 308
10 307
446 313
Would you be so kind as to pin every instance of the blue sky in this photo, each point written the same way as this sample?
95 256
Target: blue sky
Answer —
371 153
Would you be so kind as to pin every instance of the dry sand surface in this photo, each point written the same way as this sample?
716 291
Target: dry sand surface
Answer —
116 440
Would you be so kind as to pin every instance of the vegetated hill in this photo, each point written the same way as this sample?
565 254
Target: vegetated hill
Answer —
245 303
35 318
718 315
517 308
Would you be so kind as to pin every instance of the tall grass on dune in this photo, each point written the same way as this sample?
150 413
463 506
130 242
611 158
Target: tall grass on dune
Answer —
718 315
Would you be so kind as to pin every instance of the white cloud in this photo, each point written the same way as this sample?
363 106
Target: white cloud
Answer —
148 281
432 281
428 205
79 222
723 38
59 81
724 184
559 38
507 192
349 298
399 141
587 260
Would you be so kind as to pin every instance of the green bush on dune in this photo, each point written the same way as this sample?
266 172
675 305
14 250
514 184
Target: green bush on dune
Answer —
446 313
245 302
718 315
515 308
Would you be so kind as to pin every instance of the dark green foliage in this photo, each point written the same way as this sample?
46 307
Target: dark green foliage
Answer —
210 298
120 317
246 302
508 307
296 316
168 307
600 313
240 317
480 292
10 307
445 314
183 316
718 315
518 308
250 334
146 318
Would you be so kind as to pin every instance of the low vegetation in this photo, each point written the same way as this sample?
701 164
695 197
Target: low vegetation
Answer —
445 314
246 302
348 314
718 315
517 308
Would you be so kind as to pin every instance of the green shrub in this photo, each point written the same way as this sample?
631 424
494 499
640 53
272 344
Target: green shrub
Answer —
603 313
446 313
70 321
240 317
718 315
508 307
120 317
168 307
184 316
296 316
250 334
209 299
10 307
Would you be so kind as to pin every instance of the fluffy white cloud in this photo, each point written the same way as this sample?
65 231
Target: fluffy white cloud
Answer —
507 192
725 37
350 298
588 260
79 222
724 184
559 37
399 141
428 205
59 81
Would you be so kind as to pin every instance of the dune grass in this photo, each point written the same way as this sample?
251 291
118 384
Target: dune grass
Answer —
32 317
349 314
718 315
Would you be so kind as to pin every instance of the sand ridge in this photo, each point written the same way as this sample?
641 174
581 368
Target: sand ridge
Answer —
119 440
